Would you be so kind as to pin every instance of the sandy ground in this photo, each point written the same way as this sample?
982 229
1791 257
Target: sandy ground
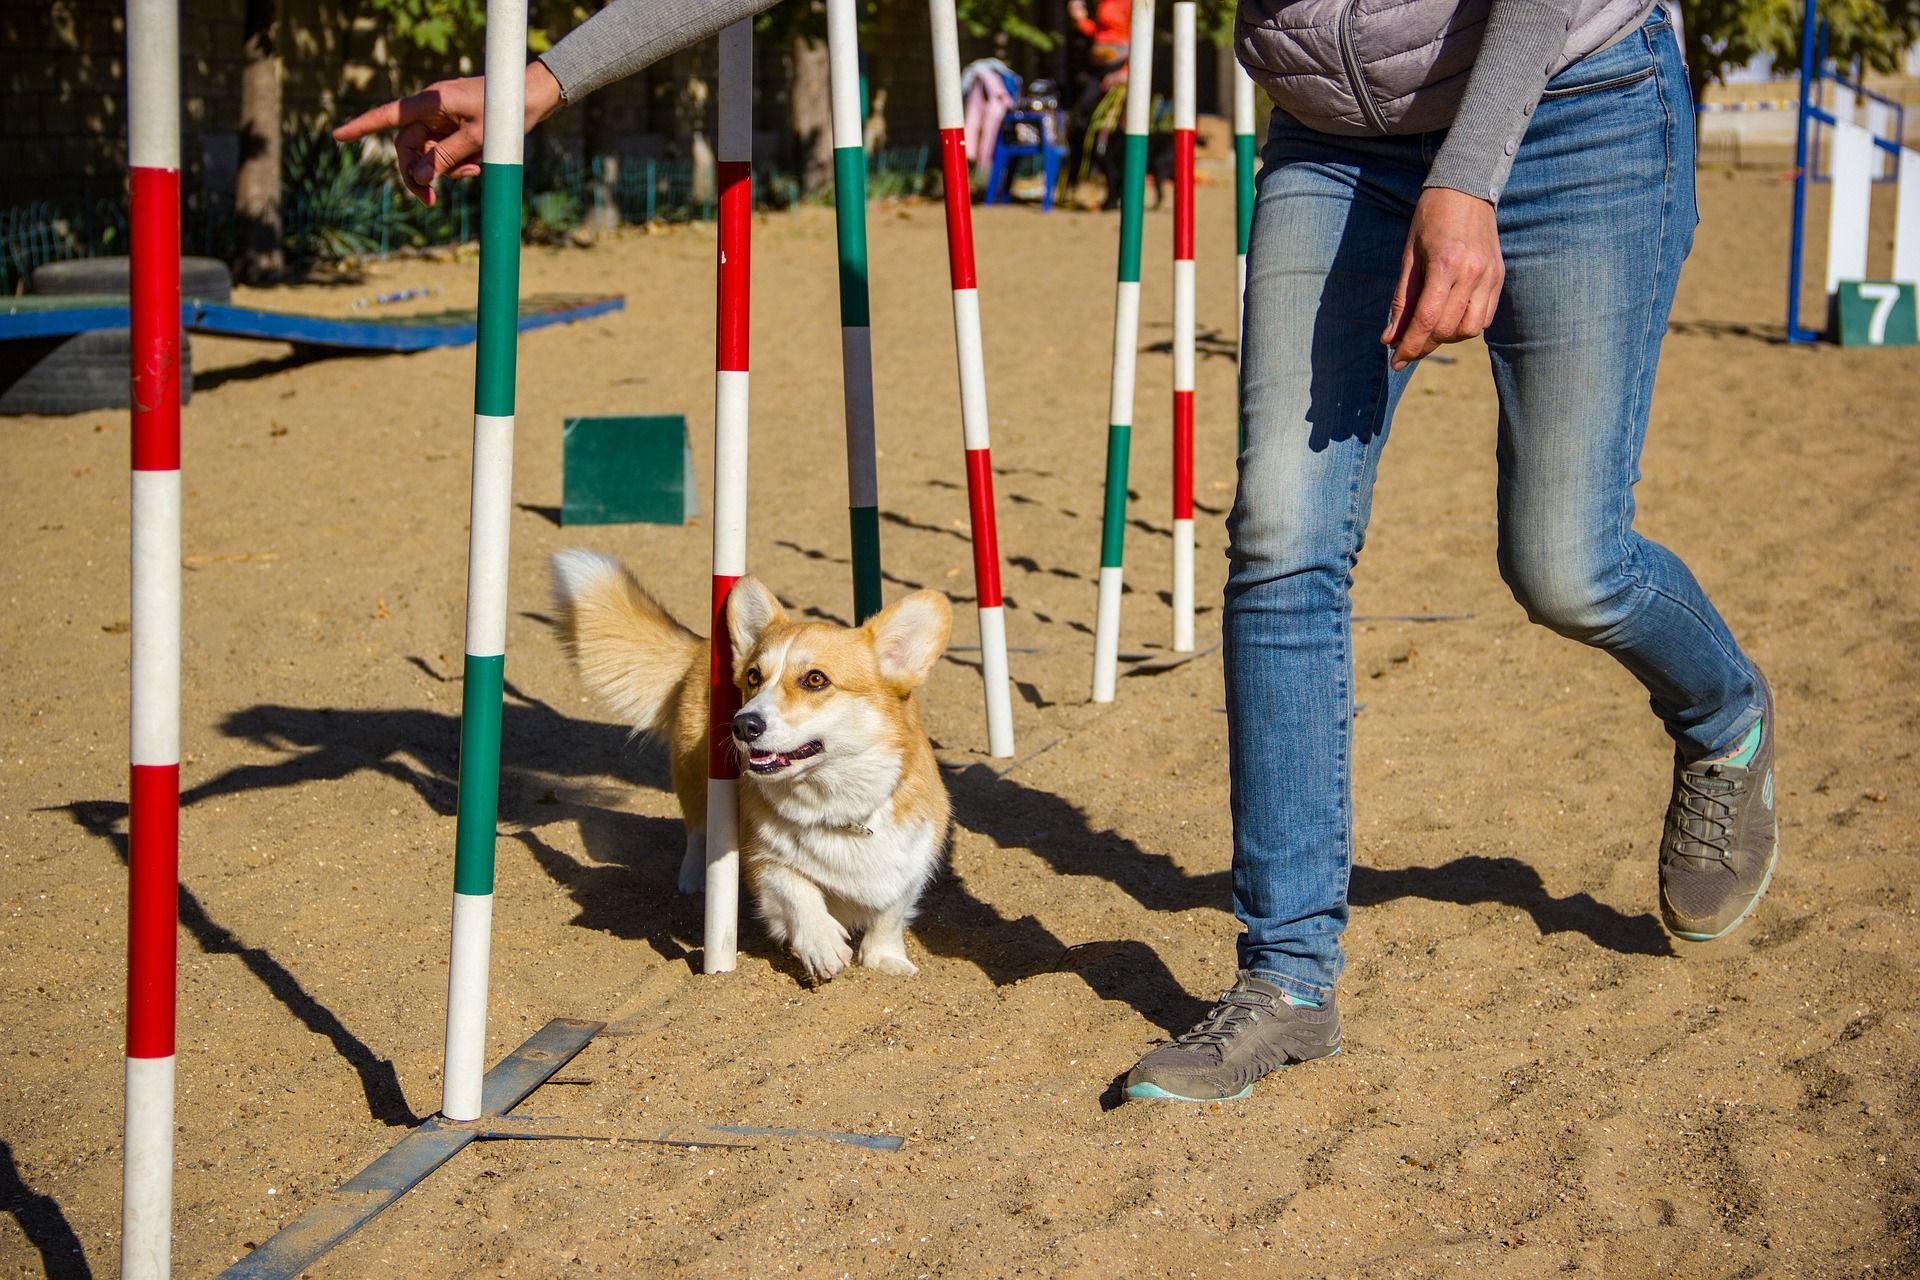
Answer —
1536 1080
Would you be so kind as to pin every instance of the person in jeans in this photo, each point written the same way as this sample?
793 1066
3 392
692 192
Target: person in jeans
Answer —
1435 170
1543 198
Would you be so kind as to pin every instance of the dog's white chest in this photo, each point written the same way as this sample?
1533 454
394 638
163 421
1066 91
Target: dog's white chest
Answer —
875 863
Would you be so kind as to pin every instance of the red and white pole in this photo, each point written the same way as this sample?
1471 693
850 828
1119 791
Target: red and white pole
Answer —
1183 321
153 152
720 950
951 117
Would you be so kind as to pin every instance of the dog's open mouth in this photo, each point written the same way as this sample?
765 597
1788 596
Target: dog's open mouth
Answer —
766 762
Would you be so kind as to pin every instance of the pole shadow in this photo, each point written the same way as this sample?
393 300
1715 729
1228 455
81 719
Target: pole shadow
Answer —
379 1081
42 1222
418 748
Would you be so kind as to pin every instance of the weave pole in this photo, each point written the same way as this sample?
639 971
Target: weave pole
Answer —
153 853
950 115
856 333
1183 130
719 953
1126 340
491 510
1243 157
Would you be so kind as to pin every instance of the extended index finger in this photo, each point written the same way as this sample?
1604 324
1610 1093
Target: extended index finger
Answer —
389 115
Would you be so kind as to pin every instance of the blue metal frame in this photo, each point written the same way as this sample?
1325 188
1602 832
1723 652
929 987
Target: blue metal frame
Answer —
1899 110
1812 72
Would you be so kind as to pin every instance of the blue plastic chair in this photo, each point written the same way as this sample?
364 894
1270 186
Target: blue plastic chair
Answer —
1036 139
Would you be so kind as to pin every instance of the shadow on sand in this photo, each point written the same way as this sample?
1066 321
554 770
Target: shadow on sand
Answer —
558 768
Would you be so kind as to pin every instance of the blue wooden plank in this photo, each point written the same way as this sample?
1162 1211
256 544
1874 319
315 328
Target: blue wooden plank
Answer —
63 322
325 331
49 318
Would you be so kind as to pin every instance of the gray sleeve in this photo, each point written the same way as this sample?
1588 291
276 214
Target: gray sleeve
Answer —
631 35
1522 41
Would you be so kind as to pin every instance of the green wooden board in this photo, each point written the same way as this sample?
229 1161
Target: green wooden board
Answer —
627 471
1875 313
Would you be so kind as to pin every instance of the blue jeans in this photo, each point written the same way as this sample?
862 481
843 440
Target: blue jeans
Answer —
1594 223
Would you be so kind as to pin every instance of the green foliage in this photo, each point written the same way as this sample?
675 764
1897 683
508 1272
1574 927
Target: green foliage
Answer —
807 20
449 26
1722 34
330 194
1012 18
1215 22
436 25
553 216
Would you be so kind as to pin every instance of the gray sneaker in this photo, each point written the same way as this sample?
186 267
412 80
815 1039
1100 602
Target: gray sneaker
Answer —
1252 1031
1721 838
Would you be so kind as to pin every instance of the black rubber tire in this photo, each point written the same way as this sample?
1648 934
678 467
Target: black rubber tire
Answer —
205 278
76 374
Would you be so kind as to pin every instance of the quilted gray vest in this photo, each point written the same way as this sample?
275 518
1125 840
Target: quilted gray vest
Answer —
1386 66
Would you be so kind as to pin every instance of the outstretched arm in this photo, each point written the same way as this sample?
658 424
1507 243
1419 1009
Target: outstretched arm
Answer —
439 128
631 35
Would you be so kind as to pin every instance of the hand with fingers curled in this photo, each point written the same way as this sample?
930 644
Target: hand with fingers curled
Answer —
439 129
1451 275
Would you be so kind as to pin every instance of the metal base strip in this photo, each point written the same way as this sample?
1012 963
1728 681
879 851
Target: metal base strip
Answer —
302 1242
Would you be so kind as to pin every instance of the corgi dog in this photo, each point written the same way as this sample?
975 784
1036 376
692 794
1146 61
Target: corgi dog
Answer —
843 814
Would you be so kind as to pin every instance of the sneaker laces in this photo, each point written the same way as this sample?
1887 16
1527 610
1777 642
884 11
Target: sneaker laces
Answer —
1704 808
1237 1008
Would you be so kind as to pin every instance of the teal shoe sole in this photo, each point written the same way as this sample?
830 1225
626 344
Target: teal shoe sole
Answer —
1154 1093
1146 1092
1773 860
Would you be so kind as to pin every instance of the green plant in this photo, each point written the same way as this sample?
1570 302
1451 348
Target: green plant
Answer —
438 25
338 203
555 216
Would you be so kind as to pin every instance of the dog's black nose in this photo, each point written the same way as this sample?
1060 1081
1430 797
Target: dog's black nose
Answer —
748 726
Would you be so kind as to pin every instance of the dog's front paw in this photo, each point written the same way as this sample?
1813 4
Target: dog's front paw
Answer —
823 952
693 866
889 960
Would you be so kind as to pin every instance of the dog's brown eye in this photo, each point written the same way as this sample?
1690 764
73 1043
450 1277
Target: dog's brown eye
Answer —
753 676
814 680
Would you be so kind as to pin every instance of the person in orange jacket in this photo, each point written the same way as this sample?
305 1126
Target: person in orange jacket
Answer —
1110 28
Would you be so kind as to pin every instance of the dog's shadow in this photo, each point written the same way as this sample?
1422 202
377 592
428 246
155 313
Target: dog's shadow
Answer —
558 768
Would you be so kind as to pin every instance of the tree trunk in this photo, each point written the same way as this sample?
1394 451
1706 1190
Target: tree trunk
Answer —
256 197
693 122
810 114
603 160
873 134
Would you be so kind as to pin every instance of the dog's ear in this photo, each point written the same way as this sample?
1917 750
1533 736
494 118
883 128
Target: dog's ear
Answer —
752 611
909 636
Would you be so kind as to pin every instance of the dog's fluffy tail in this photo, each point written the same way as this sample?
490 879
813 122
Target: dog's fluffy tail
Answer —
630 653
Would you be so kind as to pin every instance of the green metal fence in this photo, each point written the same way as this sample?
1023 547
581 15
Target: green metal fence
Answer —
366 221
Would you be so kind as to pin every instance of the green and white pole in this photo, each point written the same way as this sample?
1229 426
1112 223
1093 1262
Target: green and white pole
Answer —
1243 160
1126 342
856 333
479 804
